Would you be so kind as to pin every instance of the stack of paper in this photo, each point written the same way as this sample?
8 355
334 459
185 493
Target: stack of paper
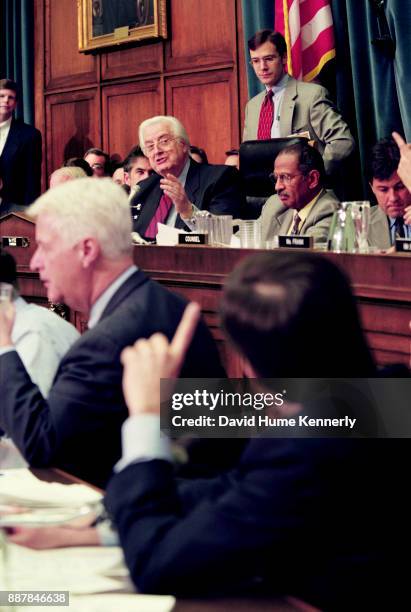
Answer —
85 572
25 500
21 487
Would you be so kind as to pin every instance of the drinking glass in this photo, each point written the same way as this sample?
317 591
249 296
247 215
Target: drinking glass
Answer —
341 235
250 234
360 213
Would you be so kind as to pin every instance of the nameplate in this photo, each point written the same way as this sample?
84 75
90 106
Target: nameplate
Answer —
121 32
295 242
14 241
403 245
193 239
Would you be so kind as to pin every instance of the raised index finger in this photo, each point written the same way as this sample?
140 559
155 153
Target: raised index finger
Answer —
184 332
399 140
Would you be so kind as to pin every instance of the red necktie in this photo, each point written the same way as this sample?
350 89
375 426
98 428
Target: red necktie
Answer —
160 216
266 117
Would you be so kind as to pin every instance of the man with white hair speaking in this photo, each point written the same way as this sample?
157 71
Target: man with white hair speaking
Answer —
180 186
84 257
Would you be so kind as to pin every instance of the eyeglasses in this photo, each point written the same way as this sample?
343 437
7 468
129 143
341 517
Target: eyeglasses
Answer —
164 142
267 59
283 178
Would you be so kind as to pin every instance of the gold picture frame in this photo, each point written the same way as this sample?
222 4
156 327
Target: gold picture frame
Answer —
107 23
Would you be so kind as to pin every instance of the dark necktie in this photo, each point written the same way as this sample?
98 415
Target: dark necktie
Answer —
265 120
160 216
294 230
399 227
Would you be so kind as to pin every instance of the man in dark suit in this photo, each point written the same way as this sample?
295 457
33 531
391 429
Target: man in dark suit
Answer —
8 207
314 518
180 186
84 257
20 151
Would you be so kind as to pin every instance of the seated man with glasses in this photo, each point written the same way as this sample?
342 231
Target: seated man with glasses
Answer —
289 106
180 186
301 204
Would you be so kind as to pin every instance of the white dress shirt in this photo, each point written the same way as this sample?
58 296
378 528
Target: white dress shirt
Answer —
41 339
278 91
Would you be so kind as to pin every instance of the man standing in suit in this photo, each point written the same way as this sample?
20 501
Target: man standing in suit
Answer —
288 106
84 257
180 186
301 204
394 200
20 151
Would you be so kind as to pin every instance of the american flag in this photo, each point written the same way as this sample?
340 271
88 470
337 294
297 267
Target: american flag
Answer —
307 27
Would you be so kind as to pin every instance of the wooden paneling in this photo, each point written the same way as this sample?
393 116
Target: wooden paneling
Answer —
65 66
203 102
147 59
100 98
72 125
203 33
124 107
39 80
199 273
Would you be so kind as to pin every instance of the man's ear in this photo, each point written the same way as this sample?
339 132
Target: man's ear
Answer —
127 178
89 251
313 179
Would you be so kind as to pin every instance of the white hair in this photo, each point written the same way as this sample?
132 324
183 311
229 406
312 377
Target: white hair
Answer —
68 172
91 207
176 127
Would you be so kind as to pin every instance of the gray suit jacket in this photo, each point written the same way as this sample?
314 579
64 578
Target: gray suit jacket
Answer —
276 218
379 232
306 107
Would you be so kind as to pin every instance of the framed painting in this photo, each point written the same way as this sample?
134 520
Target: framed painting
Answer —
107 23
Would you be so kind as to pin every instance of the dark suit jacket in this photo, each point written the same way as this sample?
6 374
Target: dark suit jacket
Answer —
213 188
78 427
20 164
303 517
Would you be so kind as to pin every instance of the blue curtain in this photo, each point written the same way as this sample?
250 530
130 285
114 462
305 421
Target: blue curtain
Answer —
373 69
398 14
257 15
16 51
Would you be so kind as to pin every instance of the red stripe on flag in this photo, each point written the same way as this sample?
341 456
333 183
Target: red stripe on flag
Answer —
296 55
279 16
312 55
310 8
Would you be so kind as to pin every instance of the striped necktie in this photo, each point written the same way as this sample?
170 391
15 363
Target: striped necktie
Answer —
399 227
160 216
295 230
265 120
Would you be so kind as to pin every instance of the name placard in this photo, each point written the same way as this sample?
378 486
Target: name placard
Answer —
193 239
403 245
295 242
14 241
121 32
